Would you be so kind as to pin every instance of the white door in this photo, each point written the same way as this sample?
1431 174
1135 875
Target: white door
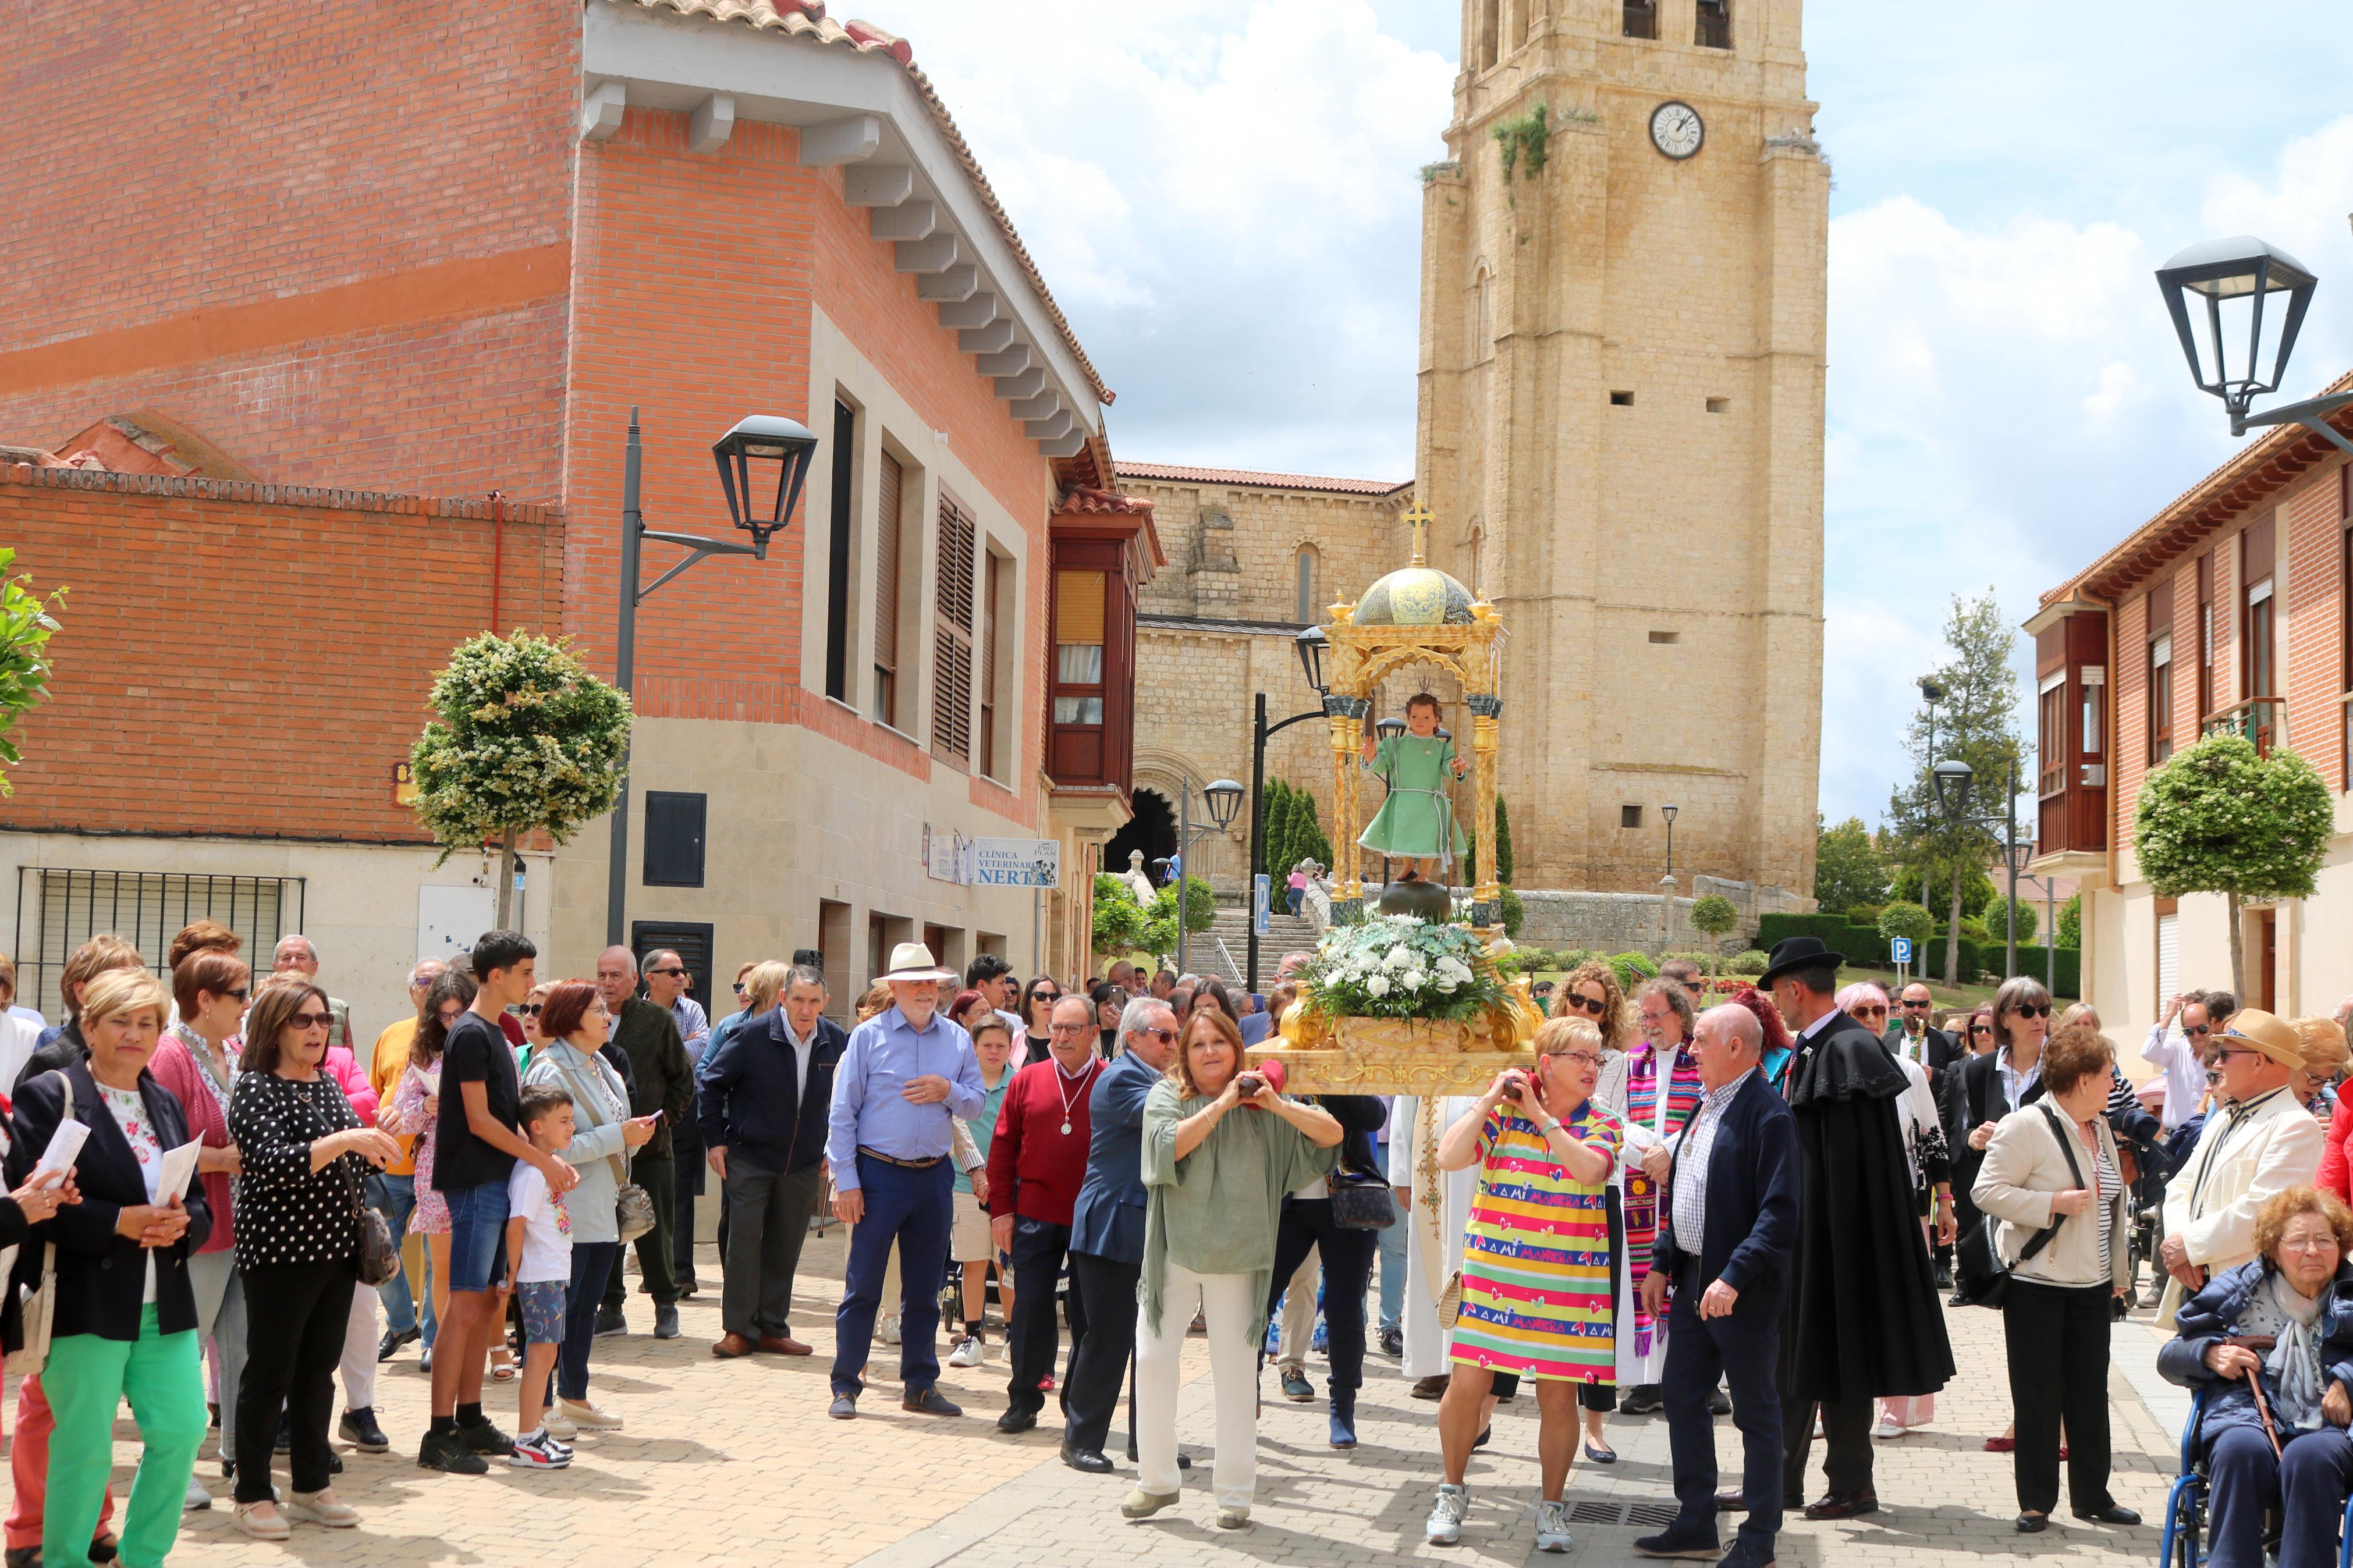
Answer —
449 919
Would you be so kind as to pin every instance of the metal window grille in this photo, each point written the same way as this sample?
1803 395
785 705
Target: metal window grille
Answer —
59 909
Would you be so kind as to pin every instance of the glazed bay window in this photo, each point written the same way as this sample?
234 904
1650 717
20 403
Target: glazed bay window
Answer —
2160 699
2050 733
1079 604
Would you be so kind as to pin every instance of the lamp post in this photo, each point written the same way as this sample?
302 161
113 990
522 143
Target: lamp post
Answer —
1667 882
1932 691
1224 799
2224 275
762 439
1953 778
1312 645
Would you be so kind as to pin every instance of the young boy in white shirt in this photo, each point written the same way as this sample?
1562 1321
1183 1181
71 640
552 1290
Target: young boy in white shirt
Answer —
539 1253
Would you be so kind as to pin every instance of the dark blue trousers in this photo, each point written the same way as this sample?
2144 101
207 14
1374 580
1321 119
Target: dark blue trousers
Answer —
2308 1481
1745 1349
915 1211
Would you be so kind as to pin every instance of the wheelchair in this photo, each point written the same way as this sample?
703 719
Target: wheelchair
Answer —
2183 1544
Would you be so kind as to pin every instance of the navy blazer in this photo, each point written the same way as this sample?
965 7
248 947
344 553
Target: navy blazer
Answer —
1751 1224
1108 1220
749 1097
102 1274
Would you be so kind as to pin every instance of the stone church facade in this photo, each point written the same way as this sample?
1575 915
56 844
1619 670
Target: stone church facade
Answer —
1620 434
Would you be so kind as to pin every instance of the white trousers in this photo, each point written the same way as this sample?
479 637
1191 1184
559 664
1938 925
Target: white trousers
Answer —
1227 1305
359 1352
1299 1314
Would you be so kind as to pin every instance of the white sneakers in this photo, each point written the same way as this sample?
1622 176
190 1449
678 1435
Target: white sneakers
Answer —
553 1423
584 1414
1445 1525
319 1506
1552 1527
272 1527
1888 1429
891 1331
538 1451
968 1351
197 1497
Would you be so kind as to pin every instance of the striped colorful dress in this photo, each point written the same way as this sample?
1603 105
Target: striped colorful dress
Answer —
1536 1266
1642 1358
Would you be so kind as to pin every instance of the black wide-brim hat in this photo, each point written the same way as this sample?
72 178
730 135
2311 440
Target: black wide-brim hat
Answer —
1796 953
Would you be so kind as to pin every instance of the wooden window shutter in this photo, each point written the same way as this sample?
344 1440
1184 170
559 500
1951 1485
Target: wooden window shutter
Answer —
991 582
887 513
952 645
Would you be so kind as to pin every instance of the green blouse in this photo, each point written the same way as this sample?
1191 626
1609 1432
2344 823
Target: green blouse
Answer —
1215 1210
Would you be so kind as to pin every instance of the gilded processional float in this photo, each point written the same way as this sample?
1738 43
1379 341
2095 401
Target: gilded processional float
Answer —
1406 997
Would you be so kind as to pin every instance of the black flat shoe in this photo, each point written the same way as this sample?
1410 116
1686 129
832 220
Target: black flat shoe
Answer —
1184 1459
2033 1523
1601 1455
1481 1440
1090 1460
2111 1514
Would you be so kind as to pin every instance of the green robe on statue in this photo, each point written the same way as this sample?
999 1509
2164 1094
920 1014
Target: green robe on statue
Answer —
1417 817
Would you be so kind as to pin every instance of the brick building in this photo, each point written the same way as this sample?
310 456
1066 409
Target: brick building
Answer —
2226 610
447 254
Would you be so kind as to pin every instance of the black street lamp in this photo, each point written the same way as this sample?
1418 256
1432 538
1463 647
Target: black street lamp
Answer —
1668 813
1932 691
1953 779
1312 646
2226 358
744 456
1225 798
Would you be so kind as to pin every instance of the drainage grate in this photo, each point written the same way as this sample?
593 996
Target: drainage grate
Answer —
1594 1513
1654 1514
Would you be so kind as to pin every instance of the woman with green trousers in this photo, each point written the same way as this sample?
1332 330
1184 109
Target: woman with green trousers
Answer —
124 1320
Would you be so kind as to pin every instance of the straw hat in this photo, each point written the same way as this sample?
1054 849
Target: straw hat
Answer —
912 961
2273 1036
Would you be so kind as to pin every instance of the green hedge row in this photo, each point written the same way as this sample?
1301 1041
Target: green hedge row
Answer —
1863 945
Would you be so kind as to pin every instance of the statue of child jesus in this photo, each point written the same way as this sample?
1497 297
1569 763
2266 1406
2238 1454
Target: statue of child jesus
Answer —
1417 823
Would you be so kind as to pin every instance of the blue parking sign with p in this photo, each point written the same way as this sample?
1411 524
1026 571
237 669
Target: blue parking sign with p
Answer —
1900 950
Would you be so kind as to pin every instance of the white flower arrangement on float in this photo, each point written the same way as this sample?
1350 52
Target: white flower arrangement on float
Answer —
1401 966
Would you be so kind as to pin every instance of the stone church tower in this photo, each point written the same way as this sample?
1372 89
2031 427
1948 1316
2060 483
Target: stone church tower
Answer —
1620 426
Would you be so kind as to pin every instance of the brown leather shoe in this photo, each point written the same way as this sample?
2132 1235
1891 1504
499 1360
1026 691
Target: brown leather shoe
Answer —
730 1347
1431 1387
1843 1505
783 1344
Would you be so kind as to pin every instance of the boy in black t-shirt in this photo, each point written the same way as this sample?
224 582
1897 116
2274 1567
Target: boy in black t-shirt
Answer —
476 1146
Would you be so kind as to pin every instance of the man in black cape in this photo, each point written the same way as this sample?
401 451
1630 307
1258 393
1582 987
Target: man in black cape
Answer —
1864 1319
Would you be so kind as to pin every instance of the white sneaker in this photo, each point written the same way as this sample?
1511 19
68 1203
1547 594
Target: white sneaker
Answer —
321 1507
583 1414
556 1427
197 1497
889 1330
1552 1527
538 1451
1445 1525
967 1352
1888 1429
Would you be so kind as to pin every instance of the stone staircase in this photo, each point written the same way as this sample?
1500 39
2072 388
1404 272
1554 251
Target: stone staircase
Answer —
1285 932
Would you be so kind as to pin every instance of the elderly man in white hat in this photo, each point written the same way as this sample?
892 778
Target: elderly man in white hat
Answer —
905 1076
2260 1140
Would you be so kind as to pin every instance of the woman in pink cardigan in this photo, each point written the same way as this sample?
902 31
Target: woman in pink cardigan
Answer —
196 1061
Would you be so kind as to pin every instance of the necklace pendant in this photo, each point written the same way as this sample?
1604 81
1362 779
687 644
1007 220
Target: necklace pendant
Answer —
1066 1129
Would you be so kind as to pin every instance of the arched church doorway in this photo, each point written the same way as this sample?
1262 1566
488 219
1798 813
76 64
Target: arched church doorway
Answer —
1152 830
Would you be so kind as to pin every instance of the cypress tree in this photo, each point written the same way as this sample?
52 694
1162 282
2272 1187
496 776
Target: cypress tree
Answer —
1502 842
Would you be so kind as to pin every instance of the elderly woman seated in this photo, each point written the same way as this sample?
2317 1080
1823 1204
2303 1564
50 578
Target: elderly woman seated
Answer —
2272 1343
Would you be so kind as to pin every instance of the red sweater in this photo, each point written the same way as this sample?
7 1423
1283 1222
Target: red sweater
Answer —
1035 1168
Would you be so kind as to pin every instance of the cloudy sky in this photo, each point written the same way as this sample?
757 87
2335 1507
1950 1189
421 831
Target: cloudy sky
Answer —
1224 198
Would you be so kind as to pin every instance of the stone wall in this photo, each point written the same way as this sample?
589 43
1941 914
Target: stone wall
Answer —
1622 922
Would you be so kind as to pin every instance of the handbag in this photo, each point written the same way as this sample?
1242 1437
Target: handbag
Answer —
633 1207
379 1257
40 1307
1982 1276
1361 1202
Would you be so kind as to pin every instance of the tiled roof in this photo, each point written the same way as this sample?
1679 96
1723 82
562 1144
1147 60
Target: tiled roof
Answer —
808 18
1263 481
1080 498
2248 478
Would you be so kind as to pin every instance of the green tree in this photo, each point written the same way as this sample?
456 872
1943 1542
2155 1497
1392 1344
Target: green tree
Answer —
1715 915
1976 721
1503 841
1978 892
2219 818
1120 921
523 737
1910 922
1310 841
1279 858
1997 922
26 621
1160 924
2071 922
1849 866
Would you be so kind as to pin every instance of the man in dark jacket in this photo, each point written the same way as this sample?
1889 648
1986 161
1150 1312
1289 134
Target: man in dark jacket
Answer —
1864 1319
1911 1035
1107 1232
62 1045
764 1093
1728 1219
661 1078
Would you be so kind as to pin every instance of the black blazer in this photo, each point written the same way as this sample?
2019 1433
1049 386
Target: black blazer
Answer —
101 1274
1751 1224
750 1100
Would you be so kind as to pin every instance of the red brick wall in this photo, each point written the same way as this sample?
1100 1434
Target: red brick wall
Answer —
693 279
2313 655
243 659
334 243
2129 747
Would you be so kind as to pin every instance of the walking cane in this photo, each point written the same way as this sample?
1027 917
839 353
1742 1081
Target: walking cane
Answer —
2259 1344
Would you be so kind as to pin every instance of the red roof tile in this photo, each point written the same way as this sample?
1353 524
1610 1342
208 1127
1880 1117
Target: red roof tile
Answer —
1262 481
1080 498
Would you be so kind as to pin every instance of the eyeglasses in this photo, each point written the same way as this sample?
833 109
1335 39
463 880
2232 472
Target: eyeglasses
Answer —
1597 1006
312 1020
739 990
2224 1052
533 1009
1045 996
1586 1058
671 971
1165 1036
2197 1028
1980 1028
1923 1005
1069 1028
238 994
2031 1010
1869 1012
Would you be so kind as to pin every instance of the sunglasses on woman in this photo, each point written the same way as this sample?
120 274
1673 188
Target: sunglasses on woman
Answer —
1980 1028
1593 1004
310 1020
533 1009
2031 1010
1870 1011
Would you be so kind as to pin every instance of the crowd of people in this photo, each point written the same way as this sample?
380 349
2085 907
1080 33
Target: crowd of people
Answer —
1696 1201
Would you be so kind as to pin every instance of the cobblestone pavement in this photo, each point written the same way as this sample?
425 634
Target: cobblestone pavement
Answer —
736 1463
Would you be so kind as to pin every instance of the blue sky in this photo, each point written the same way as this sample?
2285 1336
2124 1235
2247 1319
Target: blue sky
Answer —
1224 200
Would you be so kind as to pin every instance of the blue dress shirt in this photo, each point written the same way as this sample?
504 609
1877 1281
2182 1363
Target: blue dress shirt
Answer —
869 1109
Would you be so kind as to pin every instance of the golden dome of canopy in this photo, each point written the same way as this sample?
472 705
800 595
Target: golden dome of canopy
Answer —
1418 595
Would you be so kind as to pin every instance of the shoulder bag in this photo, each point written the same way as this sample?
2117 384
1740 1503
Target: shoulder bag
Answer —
633 1207
40 1307
1979 1270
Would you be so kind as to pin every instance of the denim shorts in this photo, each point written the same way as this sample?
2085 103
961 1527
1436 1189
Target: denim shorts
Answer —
542 1302
478 1236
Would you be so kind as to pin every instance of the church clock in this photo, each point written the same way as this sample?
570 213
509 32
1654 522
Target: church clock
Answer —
1676 131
